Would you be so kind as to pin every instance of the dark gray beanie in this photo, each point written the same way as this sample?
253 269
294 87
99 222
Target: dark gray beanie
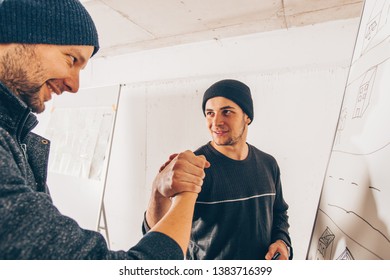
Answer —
57 22
234 90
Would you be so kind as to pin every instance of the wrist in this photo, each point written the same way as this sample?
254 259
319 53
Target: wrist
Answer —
158 207
187 197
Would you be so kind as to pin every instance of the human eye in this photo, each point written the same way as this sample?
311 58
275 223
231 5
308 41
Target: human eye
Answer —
209 113
72 59
227 112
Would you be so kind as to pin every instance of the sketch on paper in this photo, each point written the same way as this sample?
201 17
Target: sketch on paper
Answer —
79 141
353 215
325 244
346 255
364 94
376 26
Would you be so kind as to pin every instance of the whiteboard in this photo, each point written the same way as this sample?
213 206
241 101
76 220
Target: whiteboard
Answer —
353 215
80 129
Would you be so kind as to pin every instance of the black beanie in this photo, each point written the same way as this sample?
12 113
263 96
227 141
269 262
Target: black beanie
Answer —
57 22
234 90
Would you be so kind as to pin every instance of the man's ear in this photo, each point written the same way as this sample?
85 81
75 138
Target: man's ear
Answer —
247 120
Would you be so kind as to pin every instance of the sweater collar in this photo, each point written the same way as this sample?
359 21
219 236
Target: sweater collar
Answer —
219 154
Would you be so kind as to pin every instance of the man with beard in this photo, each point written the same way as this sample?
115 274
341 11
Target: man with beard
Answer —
240 212
44 44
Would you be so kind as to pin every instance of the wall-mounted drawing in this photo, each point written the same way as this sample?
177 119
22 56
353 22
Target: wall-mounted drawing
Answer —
377 22
364 94
346 255
354 205
81 129
81 138
341 124
325 244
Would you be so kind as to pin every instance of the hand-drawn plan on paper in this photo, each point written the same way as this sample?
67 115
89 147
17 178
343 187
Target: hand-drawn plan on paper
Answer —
353 216
79 141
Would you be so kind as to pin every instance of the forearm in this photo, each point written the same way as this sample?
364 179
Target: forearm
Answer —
158 207
178 220
174 193
183 172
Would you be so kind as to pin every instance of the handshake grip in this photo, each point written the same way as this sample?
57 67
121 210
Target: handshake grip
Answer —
174 193
183 172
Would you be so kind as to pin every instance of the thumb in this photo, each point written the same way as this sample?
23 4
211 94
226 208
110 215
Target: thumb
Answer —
206 163
171 157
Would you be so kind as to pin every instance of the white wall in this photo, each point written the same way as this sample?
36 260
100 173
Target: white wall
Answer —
297 77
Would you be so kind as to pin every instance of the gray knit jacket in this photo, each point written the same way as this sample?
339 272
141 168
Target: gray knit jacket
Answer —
31 227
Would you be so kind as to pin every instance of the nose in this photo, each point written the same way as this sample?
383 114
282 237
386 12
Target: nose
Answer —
73 82
218 119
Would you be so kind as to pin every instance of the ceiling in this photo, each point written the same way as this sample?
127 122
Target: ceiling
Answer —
133 25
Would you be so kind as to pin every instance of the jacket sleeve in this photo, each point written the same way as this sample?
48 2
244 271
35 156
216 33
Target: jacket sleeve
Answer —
31 227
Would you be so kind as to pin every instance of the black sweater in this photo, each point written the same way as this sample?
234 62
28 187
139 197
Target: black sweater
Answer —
240 210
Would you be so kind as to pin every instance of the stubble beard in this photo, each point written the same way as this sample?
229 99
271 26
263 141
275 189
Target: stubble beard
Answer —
232 141
17 79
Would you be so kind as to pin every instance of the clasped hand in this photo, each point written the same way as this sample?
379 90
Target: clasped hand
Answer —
183 172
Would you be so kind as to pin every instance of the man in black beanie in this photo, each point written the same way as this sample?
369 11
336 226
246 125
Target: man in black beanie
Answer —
240 212
44 44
